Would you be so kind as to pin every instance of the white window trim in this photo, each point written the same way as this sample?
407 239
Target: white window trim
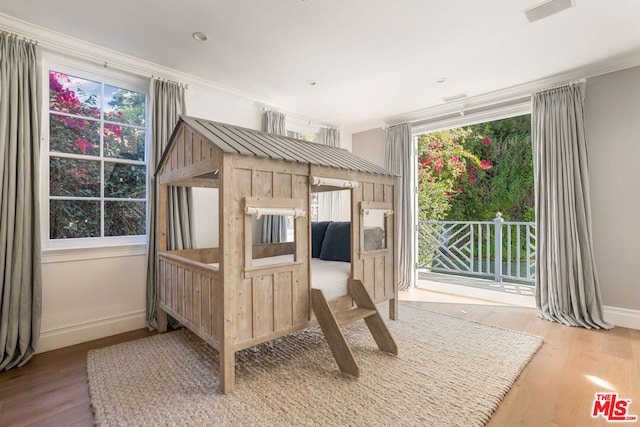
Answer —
53 256
294 124
91 247
488 113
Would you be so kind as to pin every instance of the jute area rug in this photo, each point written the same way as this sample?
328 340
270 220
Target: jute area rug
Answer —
449 372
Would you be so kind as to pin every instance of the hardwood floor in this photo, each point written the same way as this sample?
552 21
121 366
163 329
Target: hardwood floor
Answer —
558 385
51 389
556 388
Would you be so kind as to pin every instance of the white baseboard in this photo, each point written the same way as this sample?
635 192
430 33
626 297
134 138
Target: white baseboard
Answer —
622 317
76 334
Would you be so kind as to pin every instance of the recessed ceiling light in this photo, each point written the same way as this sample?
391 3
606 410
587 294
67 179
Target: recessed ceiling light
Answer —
441 79
201 37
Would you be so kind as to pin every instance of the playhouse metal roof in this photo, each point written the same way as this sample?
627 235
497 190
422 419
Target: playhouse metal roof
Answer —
249 142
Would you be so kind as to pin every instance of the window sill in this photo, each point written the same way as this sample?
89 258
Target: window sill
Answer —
50 256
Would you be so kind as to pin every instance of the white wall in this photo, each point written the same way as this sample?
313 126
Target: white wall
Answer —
90 296
612 118
369 145
225 108
222 107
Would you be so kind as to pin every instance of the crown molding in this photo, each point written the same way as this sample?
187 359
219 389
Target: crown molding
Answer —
57 43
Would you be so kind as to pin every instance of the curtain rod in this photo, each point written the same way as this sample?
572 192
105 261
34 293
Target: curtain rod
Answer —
567 84
334 182
184 85
300 119
17 36
258 212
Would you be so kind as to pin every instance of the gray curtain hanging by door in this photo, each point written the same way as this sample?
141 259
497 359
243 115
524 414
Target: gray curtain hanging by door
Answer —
567 288
167 104
274 227
329 202
20 256
400 159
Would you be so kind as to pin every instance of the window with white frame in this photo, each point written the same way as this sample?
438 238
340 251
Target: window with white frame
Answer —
97 173
301 135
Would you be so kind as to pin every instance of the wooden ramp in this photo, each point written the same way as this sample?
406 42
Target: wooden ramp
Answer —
331 322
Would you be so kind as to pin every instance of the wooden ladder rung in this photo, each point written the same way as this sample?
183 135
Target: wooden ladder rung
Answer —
330 323
353 315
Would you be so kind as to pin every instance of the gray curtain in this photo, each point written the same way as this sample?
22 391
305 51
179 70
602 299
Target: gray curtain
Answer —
567 289
167 104
20 257
275 123
274 227
400 159
329 203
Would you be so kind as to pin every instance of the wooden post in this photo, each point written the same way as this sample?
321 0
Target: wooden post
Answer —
331 330
393 303
497 251
231 263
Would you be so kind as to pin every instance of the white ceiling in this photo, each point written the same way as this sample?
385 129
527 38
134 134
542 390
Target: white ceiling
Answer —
372 59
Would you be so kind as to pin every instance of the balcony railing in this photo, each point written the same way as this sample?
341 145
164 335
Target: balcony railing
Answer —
496 249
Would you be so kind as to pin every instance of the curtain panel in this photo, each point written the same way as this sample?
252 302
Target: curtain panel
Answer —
20 251
567 288
329 202
167 104
400 159
274 227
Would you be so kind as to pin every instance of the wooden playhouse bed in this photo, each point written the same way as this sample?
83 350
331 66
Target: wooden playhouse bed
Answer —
227 295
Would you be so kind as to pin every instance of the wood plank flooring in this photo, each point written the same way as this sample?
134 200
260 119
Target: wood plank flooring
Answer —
51 389
556 388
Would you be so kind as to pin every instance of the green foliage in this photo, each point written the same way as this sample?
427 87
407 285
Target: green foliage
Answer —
126 107
74 219
124 215
507 186
442 161
74 177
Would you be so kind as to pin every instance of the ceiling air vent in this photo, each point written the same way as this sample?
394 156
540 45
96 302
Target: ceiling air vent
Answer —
548 8
454 97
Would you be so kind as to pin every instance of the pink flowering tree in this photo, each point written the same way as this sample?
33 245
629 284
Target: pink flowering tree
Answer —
503 180
78 142
443 162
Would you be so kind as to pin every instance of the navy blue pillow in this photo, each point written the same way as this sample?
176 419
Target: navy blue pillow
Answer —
337 242
317 237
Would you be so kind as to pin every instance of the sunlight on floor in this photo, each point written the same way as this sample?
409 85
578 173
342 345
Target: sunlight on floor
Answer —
600 382
432 291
